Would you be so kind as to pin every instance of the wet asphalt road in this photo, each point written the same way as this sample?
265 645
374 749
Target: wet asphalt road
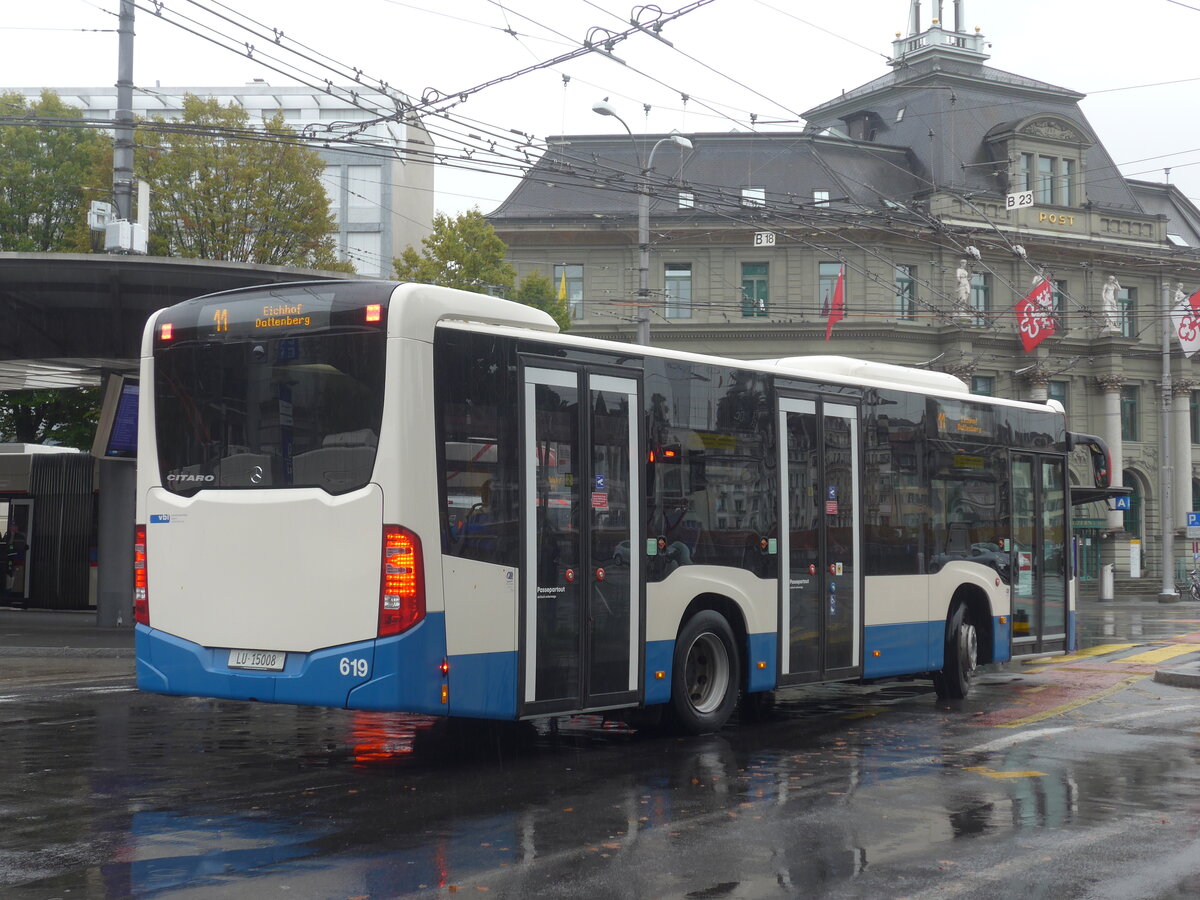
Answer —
1061 779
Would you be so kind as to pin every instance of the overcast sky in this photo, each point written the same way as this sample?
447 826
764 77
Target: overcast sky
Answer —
731 58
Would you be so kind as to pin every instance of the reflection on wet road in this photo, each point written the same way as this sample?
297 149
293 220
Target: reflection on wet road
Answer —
1067 778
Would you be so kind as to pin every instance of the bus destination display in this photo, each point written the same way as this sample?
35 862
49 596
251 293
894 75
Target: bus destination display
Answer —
265 314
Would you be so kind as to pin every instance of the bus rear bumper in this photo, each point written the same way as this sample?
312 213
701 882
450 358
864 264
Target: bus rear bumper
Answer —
398 673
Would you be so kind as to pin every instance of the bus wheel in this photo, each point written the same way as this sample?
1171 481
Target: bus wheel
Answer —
961 657
704 677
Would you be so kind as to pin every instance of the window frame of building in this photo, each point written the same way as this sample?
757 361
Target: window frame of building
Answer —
1061 293
1044 181
754 197
1025 172
820 198
905 275
827 276
677 290
687 200
1060 391
983 385
756 290
1130 398
1127 310
574 271
1066 181
1195 419
981 296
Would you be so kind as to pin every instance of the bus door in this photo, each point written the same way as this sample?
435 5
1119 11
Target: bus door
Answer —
821 594
1040 553
581 588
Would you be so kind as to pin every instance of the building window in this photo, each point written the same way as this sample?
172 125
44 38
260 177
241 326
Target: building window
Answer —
364 193
1025 173
1127 307
1196 422
677 279
574 276
1129 413
755 291
900 114
1060 301
687 200
1045 179
984 385
906 292
364 249
827 273
754 196
821 198
1058 390
331 180
981 296
1066 179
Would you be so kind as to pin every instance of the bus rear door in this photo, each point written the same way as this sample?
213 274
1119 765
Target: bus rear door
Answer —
821 595
581 621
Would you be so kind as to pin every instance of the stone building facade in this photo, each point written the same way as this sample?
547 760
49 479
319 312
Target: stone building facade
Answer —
749 232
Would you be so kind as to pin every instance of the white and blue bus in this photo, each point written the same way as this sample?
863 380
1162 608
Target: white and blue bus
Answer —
403 497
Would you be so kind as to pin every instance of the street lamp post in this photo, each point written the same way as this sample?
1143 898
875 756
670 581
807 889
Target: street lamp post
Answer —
603 108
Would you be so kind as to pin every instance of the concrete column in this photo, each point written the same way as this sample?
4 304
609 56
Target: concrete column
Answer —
1182 456
114 551
1111 385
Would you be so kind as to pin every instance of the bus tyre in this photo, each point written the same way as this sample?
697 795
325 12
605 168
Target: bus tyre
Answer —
961 657
705 674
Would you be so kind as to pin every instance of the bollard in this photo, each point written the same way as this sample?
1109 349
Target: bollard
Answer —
1106 583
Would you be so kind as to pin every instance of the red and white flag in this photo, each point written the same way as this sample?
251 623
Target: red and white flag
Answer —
1186 316
837 309
1035 315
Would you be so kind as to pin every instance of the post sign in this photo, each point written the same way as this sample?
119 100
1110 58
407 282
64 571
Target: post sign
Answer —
1019 200
1193 525
1121 504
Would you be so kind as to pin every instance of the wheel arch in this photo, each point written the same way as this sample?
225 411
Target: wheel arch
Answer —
979 613
727 607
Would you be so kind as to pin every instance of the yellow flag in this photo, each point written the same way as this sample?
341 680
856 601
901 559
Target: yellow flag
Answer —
562 286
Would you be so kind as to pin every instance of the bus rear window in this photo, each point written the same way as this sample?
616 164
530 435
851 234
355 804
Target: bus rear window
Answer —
285 411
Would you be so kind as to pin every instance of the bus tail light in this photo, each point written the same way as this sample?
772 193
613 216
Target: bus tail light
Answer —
141 599
402 590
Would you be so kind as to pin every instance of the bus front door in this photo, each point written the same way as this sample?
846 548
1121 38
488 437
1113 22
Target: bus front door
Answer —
821 596
581 593
1041 553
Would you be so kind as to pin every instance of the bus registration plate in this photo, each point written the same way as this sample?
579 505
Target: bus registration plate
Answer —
257 659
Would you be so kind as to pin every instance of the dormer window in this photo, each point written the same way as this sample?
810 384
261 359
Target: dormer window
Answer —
754 196
1046 155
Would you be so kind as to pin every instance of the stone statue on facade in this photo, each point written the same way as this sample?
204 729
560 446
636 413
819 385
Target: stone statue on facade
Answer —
962 292
1108 301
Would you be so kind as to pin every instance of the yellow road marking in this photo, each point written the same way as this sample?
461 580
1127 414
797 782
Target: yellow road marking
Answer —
1099 650
1150 657
992 773
865 713
1075 704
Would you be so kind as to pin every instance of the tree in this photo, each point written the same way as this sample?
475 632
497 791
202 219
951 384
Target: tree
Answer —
49 174
466 253
68 417
220 190
537 290
463 252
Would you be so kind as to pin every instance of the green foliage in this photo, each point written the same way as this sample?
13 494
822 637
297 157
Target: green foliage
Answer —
48 176
463 252
538 290
68 417
219 196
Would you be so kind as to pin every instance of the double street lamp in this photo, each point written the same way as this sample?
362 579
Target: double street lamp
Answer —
603 108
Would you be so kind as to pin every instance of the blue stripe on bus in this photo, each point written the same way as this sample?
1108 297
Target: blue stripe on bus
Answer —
484 685
906 649
762 649
1001 640
403 671
1071 644
658 659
